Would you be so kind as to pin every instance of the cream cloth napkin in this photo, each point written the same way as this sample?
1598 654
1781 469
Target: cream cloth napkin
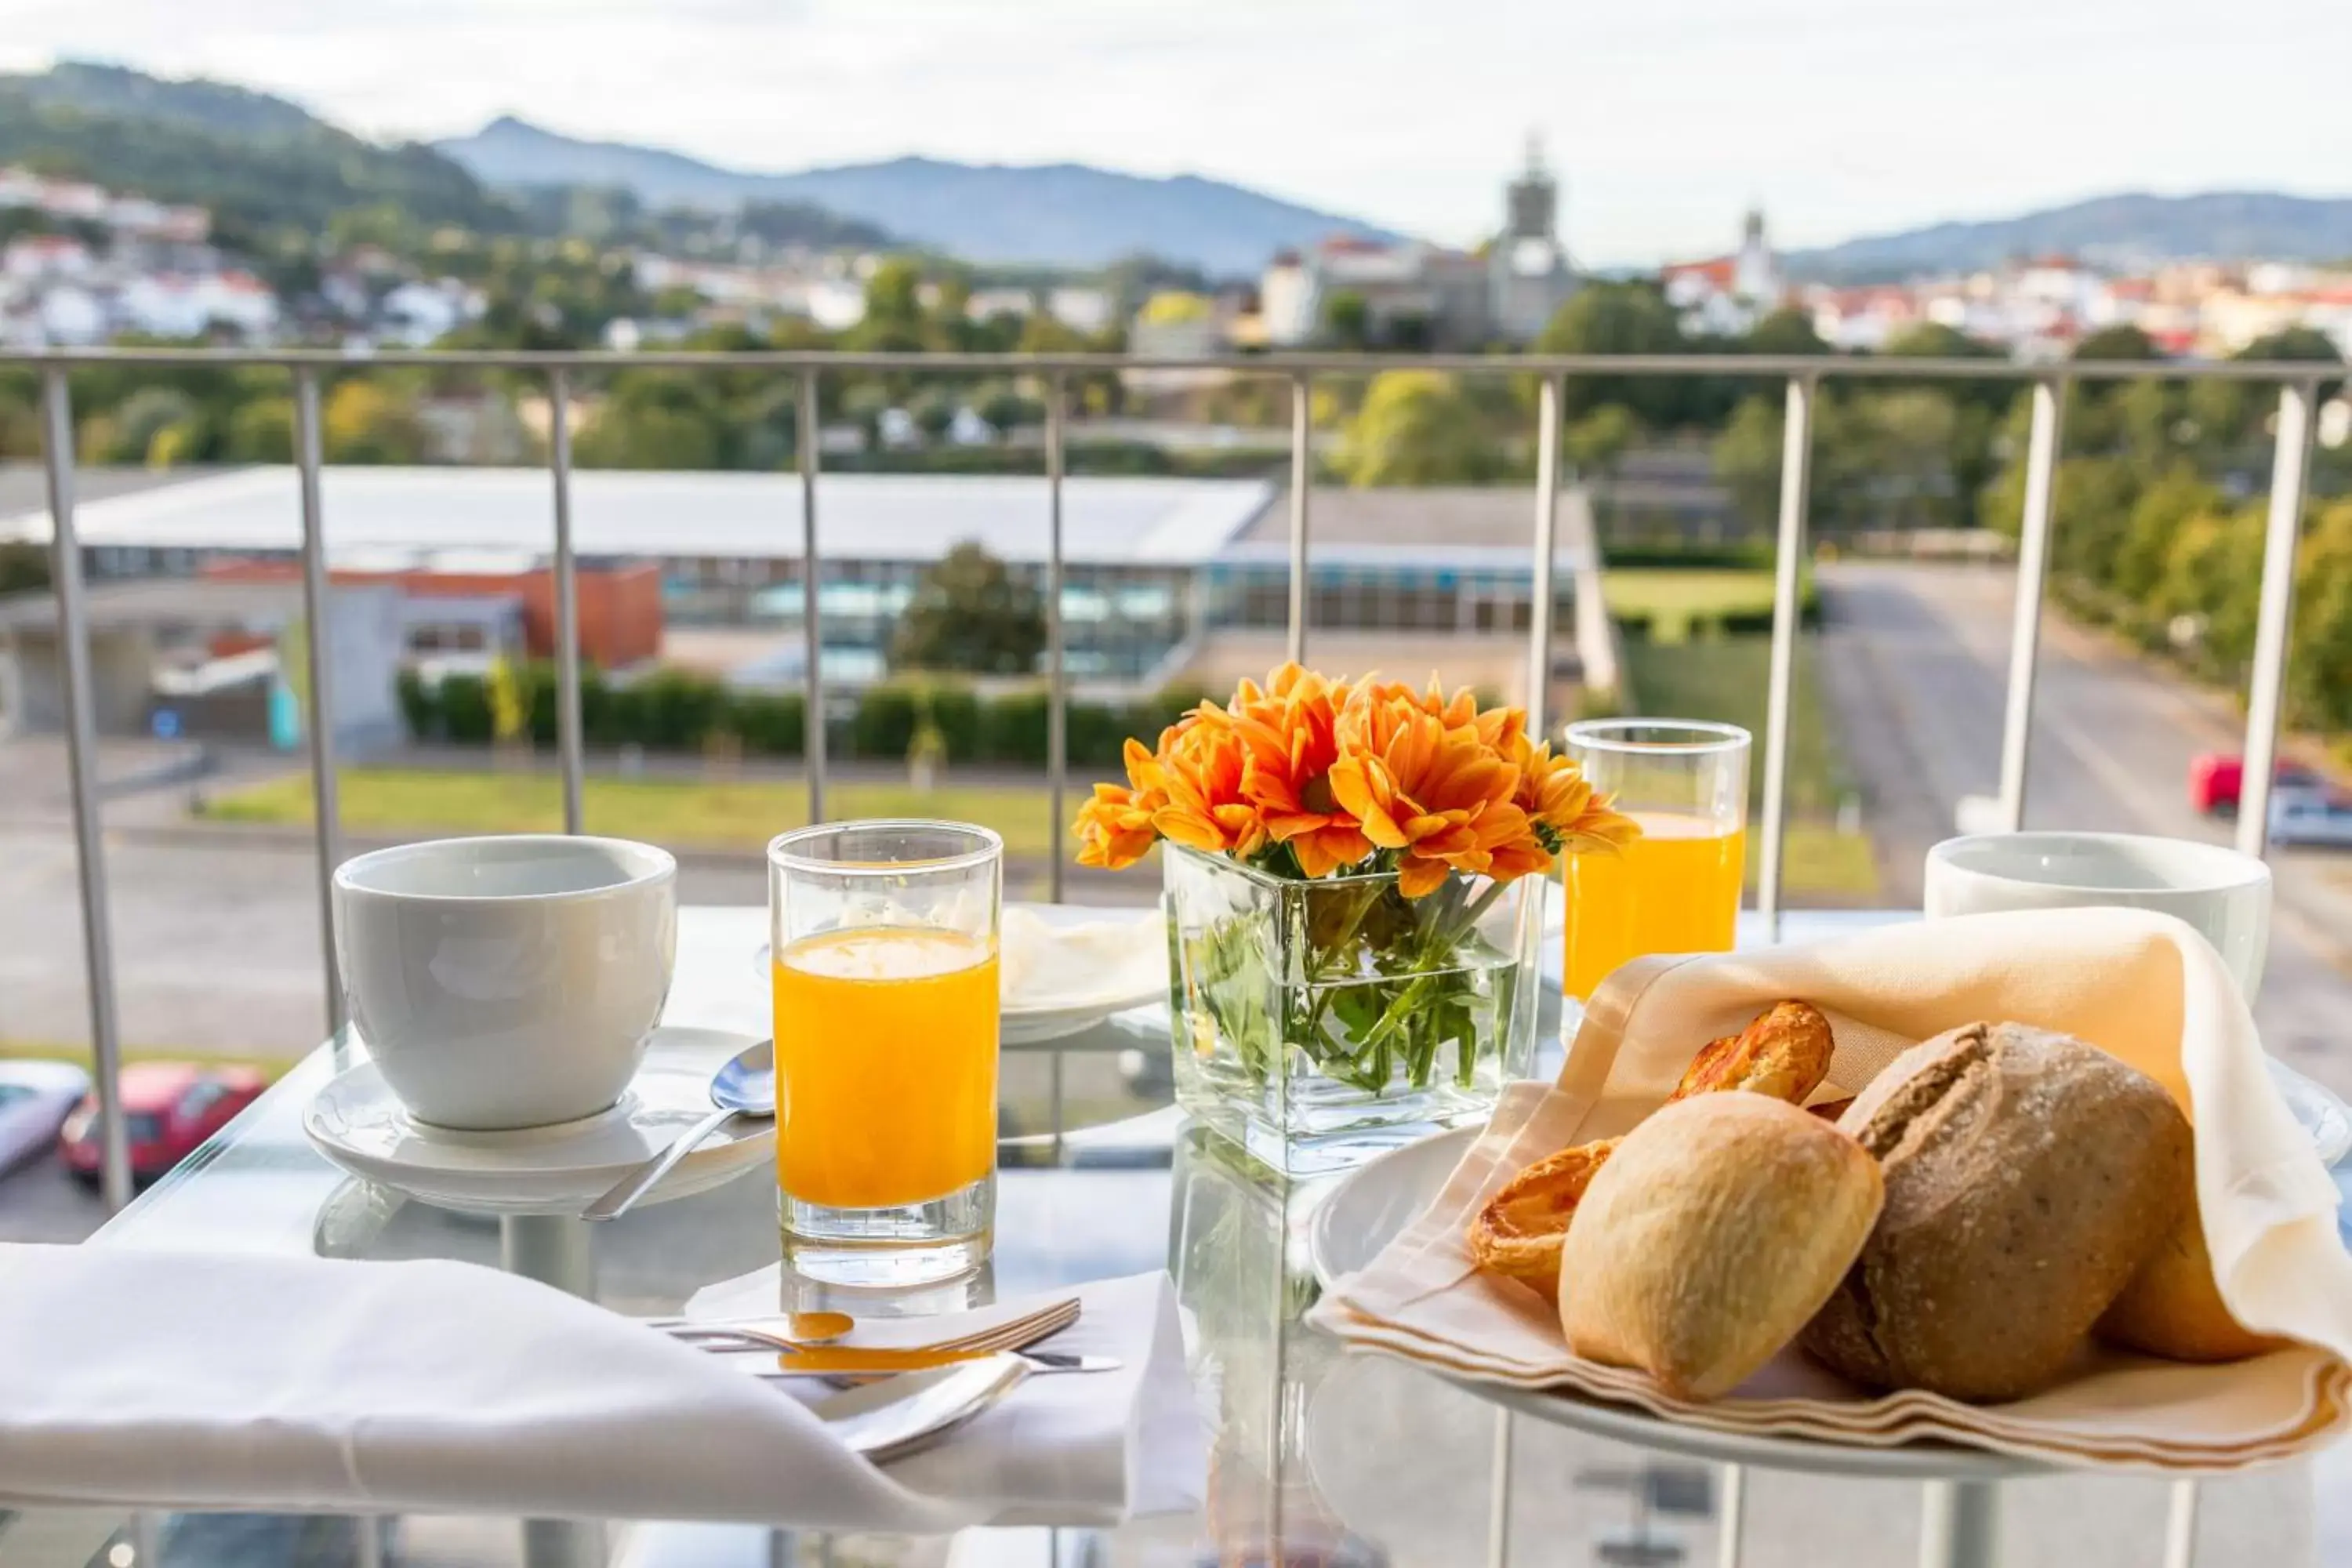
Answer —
2142 986
303 1384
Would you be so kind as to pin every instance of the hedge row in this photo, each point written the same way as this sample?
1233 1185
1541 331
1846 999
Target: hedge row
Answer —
679 710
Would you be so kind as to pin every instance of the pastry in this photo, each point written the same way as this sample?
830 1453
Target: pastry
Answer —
2173 1308
2028 1177
1784 1053
1711 1235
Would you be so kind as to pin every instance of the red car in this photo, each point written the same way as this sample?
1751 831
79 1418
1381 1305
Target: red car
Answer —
2216 778
168 1108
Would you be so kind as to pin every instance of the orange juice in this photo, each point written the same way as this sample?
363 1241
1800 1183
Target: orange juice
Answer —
1674 889
885 1066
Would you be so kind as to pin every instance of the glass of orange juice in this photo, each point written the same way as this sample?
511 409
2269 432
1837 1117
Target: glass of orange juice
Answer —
1677 887
885 968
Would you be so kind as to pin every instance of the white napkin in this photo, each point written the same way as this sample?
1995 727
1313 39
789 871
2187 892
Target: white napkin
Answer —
303 1383
1044 963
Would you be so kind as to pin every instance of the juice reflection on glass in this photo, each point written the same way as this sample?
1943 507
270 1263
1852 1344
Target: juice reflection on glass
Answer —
1676 888
885 1010
885 1022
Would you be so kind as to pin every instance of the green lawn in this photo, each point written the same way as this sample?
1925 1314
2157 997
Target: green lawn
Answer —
1670 600
719 813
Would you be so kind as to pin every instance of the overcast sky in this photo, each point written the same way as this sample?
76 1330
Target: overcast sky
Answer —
1665 118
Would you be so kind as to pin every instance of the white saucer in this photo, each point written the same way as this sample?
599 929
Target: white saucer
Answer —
356 1122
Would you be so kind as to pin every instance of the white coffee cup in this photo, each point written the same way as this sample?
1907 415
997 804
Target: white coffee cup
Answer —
2226 896
507 981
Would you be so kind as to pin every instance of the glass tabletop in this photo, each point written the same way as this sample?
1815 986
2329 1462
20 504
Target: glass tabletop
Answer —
1317 1456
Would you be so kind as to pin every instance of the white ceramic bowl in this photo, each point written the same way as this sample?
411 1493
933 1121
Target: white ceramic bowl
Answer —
506 981
2225 895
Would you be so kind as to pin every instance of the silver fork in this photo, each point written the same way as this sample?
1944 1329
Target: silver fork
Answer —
1013 1334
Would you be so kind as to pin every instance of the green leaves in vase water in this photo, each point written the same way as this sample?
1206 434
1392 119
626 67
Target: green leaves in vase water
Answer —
1370 986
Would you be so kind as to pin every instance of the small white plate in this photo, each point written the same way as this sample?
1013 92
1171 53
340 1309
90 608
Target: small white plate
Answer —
1102 990
357 1122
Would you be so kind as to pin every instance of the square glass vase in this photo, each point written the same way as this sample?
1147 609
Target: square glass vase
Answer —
1319 1023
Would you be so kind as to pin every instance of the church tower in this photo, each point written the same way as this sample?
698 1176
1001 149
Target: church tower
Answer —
1528 276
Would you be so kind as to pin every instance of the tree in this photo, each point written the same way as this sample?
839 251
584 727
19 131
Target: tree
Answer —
364 422
2162 511
652 419
1417 428
2319 677
1619 319
1787 331
1596 443
970 613
934 412
2122 341
1348 320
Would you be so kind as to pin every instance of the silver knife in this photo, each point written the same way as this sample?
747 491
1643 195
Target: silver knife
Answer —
845 1363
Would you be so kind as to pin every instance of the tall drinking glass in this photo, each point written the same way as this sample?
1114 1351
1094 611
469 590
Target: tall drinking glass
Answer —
1677 887
884 967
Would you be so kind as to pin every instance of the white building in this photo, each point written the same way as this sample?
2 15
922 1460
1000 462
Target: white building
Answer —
417 313
1726 296
1419 294
39 257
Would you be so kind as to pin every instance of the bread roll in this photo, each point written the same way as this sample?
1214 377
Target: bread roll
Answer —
2028 1176
2173 1307
1710 1237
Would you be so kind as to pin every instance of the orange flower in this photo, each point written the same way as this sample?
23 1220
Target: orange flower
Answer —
1115 827
1200 761
1291 747
1336 770
1554 791
1439 794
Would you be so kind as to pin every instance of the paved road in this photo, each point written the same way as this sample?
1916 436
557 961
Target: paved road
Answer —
1916 661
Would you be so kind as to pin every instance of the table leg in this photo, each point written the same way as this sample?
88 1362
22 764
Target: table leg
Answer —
557 1250
1732 1520
1498 1496
1959 1525
554 1250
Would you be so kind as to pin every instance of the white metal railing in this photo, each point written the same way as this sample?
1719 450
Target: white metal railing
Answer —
1802 374
2298 386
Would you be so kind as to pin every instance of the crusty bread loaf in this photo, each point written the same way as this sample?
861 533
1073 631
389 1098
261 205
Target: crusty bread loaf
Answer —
1709 1237
1783 1052
2173 1308
2028 1177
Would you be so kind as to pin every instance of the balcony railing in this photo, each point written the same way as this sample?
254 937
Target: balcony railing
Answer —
2298 385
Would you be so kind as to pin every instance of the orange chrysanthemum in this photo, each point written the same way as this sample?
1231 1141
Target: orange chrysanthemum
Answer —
1350 775
1200 763
1289 733
1438 795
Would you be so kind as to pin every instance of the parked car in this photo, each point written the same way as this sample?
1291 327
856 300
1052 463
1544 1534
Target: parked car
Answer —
36 1098
168 1108
2310 816
2217 778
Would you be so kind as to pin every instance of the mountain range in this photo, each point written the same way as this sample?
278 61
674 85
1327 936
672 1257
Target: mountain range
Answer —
259 159
2129 230
1063 213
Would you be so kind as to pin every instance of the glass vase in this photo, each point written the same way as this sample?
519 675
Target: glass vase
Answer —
1319 1022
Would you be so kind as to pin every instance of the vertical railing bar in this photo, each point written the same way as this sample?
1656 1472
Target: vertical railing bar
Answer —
2274 620
81 766
1796 474
1498 1495
2180 1525
570 744
318 723
1732 1518
1057 701
1302 471
1547 546
2032 577
812 638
